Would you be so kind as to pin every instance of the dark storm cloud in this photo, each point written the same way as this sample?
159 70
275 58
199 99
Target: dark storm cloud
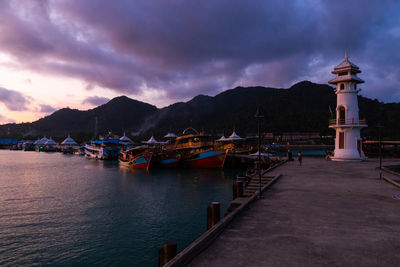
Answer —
14 100
188 47
95 100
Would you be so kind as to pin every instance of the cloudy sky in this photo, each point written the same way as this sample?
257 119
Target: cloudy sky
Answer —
80 54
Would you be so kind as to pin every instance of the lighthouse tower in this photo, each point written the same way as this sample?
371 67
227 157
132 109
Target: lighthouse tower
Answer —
348 146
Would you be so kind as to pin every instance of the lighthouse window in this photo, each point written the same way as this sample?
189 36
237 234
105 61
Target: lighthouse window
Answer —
355 86
341 86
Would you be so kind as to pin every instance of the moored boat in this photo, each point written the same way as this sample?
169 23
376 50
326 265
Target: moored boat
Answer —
107 149
135 158
165 159
198 150
140 157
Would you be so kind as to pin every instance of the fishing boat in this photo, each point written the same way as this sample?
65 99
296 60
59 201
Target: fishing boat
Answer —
139 157
124 158
199 150
161 156
165 159
107 149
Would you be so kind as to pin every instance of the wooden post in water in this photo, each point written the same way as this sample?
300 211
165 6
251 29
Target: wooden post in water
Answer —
167 253
239 189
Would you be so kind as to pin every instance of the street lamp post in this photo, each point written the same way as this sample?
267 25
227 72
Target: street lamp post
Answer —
380 150
259 116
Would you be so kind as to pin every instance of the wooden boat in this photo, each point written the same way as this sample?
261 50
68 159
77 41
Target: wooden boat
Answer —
107 149
165 159
136 158
199 151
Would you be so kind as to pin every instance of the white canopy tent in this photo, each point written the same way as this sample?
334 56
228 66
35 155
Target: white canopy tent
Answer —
41 141
50 142
153 141
69 142
223 138
234 137
125 139
170 135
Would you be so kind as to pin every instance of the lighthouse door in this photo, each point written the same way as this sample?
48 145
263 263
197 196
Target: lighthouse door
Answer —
341 140
359 146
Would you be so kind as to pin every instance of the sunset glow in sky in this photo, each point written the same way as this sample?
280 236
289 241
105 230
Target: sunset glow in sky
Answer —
59 53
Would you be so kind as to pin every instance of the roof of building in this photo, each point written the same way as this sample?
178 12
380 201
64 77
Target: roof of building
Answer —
126 139
223 138
50 142
170 135
69 141
234 136
8 141
345 78
346 64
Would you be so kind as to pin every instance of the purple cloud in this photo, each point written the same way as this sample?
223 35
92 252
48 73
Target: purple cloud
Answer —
47 109
189 47
4 119
95 100
13 100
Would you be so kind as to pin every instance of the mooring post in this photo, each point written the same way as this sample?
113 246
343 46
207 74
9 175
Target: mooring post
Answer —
239 189
209 215
167 253
234 186
215 211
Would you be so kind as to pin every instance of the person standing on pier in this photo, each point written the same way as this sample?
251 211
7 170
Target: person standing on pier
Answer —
299 157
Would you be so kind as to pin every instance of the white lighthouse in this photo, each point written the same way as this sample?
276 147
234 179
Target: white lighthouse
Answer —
348 146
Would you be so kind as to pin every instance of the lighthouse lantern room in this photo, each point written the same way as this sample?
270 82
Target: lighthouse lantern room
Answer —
348 145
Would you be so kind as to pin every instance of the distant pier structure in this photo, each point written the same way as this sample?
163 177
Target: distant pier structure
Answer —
348 145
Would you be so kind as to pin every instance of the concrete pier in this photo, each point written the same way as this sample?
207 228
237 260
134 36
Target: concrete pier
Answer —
323 213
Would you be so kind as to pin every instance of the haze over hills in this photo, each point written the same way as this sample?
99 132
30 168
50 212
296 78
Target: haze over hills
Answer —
302 107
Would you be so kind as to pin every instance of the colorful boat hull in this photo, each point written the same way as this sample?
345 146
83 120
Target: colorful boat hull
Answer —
209 159
140 162
169 163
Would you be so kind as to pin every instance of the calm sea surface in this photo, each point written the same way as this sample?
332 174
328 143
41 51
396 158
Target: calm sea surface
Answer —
66 210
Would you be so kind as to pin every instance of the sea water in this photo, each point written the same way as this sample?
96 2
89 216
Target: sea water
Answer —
60 209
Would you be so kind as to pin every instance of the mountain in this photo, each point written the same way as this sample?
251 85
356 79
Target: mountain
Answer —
302 107
119 114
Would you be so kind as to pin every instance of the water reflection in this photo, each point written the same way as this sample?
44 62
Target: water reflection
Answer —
63 209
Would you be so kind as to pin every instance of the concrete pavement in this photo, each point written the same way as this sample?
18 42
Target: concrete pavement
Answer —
323 213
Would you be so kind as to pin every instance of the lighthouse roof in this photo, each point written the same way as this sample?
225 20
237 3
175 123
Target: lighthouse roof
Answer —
345 78
346 64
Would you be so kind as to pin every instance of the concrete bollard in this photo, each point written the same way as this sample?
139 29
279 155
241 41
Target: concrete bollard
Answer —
209 214
239 189
167 253
234 190
215 213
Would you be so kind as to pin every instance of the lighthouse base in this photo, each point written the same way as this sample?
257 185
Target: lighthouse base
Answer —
348 155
